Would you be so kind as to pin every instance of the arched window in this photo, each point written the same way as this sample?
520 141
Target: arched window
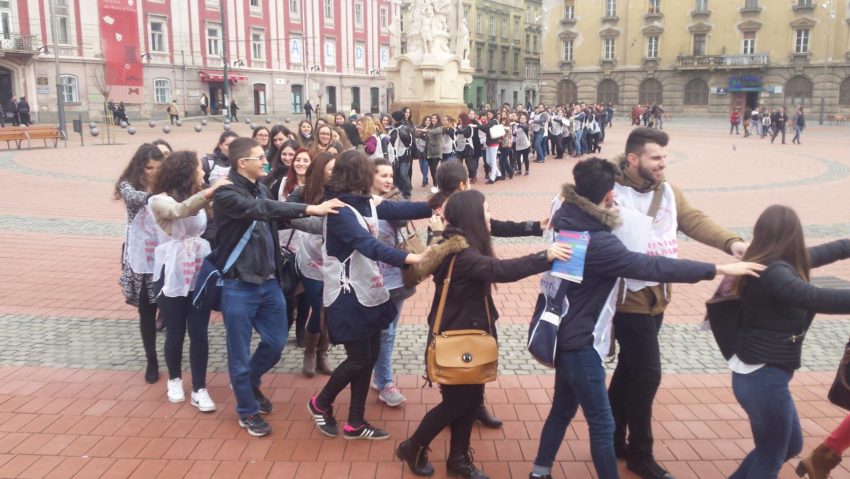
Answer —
844 93
70 88
162 91
798 91
608 92
650 92
567 92
696 92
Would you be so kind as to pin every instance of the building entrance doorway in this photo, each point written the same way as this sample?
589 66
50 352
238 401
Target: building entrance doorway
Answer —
6 91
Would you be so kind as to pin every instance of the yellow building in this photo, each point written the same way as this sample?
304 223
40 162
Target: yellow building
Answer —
698 55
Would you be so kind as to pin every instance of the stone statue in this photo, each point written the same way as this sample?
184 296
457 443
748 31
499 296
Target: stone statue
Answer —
395 37
462 41
429 29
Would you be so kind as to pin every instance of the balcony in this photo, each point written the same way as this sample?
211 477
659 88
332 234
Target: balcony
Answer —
722 62
16 43
700 13
804 6
568 21
610 18
750 9
653 14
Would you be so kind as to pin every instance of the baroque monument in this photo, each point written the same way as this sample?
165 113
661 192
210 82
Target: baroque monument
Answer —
430 75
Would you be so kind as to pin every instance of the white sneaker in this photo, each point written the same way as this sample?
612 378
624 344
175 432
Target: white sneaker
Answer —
175 390
391 395
202 401
434 189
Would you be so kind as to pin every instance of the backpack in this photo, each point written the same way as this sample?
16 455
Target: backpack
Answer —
398 148
379 150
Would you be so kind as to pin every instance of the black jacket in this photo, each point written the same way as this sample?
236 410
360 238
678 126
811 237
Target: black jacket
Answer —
779 306
605 261
234 208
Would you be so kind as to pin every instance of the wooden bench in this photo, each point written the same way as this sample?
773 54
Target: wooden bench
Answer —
16 134
44 133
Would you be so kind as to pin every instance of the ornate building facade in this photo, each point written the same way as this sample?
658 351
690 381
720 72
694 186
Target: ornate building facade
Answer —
699 55
150 52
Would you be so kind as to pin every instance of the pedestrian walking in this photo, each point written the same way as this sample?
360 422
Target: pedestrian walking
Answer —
799 125
308 110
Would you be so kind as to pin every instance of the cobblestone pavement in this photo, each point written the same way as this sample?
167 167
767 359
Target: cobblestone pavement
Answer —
99 344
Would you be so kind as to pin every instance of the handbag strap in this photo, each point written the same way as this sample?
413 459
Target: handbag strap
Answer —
290 238
443 294
237 251
656 201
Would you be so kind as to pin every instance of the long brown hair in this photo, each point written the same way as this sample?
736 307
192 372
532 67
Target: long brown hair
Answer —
778 235
134 173
177 177
353 173
314 186
291 176
464 213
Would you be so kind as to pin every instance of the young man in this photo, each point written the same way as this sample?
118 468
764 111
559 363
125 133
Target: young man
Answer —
639 315
778 120
538 126
579 372
252 298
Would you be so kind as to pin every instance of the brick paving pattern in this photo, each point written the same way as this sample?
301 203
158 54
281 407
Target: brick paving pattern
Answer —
73 402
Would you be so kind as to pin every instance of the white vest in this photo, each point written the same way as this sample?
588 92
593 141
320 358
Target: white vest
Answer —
379 149
661 238
178 256
363 275
308 254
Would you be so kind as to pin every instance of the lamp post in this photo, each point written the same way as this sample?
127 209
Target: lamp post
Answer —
226 88
827 5
60 93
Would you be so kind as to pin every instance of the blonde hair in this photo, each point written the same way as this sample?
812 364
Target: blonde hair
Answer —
367 128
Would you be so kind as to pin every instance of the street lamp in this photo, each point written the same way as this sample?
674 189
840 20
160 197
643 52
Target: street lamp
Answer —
827 5
60 91
226 88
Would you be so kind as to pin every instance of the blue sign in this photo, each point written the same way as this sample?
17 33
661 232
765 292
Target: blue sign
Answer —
745 83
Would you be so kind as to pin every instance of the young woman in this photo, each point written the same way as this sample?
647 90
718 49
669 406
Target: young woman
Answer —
421 153
233 109
506 148
389 234
434 147
308 257
778 308
177 204
447 139
357 305
133 187
468 252
217 164
277 136
339 119
472 146
492 151
261 136
280 168
305 133
369 138
522 143
324 139
352 134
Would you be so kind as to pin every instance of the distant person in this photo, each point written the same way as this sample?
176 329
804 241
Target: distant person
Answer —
173 112
308 110
24 112
233 109
799 125
12 111
204 103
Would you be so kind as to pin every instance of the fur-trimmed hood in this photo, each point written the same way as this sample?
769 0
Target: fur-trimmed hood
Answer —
608 217
434 257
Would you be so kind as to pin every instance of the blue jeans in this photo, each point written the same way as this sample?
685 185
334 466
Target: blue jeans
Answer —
246 307
538 146
383 371
579 381
313 295
765 397
578 135
423 168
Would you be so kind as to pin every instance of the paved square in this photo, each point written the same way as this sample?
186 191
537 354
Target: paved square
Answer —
73 402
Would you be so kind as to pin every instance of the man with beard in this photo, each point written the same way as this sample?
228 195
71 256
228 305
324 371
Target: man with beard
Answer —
640 307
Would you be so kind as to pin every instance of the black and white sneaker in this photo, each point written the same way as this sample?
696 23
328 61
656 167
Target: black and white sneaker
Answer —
255 425
366 431
265 404
324 419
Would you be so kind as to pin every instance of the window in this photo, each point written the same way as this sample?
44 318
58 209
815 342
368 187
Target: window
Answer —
384 16
696 92
255 7
801 45
608 49
331 99
478 28
516 29
213 40
749 43
258 45
798 91
296 49
804 3
504 28
70 90
654 6
297 94
608 92
358 15
5 19
504 62
60 13
844 93
491 25
255 3
610 8
701 6
375 96
516 61
699 44
355 99
360 55
491 60
751 4
479 62
213 4
330 54
328 10
161 91
157 31
568 50
652 46
649 92
385 56
534 43
569 9
295 10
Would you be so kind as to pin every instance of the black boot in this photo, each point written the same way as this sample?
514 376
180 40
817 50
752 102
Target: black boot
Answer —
415 457
152 371
487 418
461 464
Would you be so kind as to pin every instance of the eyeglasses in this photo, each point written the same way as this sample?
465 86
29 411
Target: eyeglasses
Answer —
261 158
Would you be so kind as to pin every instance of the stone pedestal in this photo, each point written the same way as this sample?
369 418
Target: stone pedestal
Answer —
429 85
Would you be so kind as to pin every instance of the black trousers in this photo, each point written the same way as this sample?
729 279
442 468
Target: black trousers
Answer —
635 381
180 316
471 160
776 130
147 323
357 371
457 411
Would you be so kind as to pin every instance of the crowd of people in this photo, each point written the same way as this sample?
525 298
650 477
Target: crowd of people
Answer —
330 203
761 122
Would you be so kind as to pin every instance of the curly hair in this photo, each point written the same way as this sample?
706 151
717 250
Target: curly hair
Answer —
353 173
367 128
178 176
134 173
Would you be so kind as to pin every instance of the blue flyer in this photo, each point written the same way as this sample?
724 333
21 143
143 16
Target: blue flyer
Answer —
572 270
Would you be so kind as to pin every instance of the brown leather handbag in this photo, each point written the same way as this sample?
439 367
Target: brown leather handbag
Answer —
464 356
410 242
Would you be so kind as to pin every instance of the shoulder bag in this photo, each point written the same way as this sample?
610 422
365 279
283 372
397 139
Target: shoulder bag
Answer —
463 356
289 277
411 243
839 393
545 322
725 316
207 294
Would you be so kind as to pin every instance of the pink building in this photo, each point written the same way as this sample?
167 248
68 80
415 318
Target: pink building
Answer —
150 52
